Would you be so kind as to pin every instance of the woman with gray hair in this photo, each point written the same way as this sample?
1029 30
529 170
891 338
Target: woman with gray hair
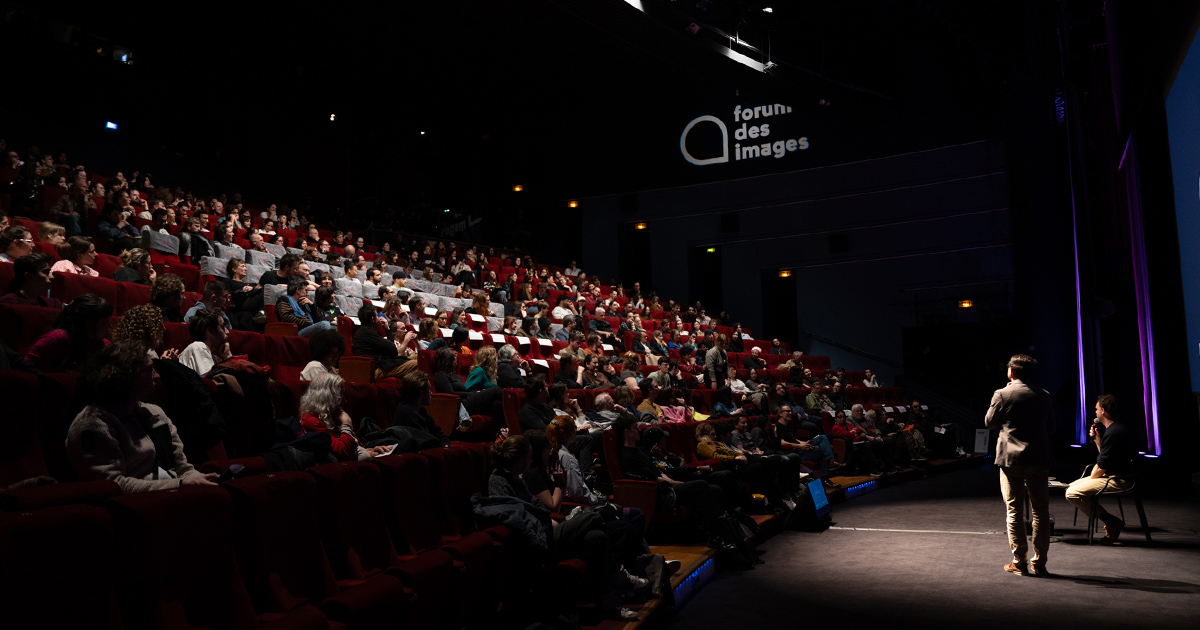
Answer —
321 411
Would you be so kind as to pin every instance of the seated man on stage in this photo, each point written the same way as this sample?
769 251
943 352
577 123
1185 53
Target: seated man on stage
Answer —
1116 444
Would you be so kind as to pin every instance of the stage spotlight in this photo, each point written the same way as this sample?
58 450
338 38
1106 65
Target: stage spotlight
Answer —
966 304
422 133
110 125
785 273
332 117
518 188
640 226
768 10
711 250
572 204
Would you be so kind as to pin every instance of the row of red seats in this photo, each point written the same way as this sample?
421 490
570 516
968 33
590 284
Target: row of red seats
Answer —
354 544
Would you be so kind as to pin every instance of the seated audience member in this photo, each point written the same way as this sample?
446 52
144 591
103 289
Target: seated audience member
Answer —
1117 448
796 360
817 448
295 308
210 342
545 328
595 346
536 413
30 284
393 310
159 221
512 459
510 366
631 372
288 266
427 332
711 443
321 411
649 406
411 411
866 453
326 349
15 241
446 380
120 232
777 347
120 438
393 354
216 298
483 372
869 379
52 233
817 401
837 398
570 373
136 268
80 332
657 346
593 377
324 307
143 323
755 360
416 312
458 341
638 461
600 326
946 443
573 348
167 294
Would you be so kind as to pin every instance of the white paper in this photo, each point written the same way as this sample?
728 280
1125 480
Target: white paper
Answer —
498 338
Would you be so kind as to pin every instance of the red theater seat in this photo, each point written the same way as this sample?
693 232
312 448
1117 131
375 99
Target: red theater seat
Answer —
283 573
21 325
59 561
68 286
286 355
178 568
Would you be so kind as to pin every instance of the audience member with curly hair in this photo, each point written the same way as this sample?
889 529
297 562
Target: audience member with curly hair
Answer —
167 294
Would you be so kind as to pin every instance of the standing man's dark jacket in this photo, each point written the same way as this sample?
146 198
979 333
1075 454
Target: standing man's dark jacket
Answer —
1025 417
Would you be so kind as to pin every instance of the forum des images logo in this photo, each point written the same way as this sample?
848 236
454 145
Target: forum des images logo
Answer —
755 125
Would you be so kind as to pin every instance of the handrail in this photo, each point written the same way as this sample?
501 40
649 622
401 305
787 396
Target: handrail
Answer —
849 348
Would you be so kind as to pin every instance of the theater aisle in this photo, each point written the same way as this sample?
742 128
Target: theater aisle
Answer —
928 554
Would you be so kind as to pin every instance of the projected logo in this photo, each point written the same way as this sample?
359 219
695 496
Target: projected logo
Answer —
750 124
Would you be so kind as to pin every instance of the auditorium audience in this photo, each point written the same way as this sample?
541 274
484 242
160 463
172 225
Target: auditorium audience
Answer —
120 438
167 295
79 333
321 411
136 267
392 353
210 342
326 349
15 241
30 284
143 323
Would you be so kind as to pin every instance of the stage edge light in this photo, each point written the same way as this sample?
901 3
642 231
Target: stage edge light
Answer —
640 226
110 125
572 204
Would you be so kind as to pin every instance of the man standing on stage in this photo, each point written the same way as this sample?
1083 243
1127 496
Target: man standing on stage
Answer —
1025 417
1117 449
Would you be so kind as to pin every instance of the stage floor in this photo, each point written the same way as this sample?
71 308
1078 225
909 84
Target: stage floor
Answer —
928 553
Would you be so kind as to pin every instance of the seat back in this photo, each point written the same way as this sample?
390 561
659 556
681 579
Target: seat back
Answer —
177 567
281 572
21 325
351 514
408 508
48 554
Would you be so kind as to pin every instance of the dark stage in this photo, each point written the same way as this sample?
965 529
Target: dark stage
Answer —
854 578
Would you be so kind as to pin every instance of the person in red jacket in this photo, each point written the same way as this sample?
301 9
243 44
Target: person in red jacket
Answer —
856 444
321 410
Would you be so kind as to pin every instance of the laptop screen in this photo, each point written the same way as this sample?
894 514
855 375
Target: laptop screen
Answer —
816 490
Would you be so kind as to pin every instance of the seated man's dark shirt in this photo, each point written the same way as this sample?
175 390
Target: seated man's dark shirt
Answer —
407 415
535 416
1116 450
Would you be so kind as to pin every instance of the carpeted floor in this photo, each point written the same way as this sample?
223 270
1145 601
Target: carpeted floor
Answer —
862 579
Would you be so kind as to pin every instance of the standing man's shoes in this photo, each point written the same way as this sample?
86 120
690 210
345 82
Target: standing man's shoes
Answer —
1112 532
1039 571
1018 569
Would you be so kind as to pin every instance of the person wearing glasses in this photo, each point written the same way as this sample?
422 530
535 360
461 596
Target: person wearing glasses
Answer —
15 241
